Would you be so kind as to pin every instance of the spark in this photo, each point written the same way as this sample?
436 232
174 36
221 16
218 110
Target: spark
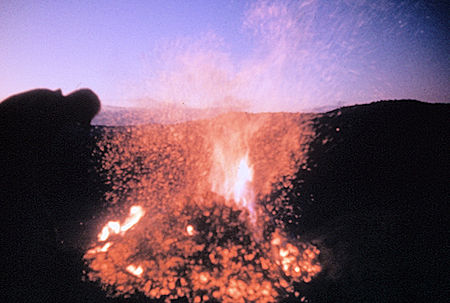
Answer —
137 271
190 230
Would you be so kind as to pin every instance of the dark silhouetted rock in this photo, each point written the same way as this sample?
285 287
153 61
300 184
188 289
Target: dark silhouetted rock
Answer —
374 197
47 188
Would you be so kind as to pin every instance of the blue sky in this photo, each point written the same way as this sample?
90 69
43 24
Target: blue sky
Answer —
261 55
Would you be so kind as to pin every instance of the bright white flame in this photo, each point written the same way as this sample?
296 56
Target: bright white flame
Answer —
244 176
99 249
137 271
114 226
136 213
104 234
111 226
231 175
241 190
190 230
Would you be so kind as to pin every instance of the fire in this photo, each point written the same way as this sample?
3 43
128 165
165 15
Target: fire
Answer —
209 237
114 227
190 230
99 249
170 261
136 213
137 271
243 178
111 226
232 178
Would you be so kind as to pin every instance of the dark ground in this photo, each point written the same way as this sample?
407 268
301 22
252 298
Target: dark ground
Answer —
374 202
376 198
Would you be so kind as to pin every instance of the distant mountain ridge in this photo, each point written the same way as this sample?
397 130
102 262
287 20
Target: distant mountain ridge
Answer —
165 113
160 114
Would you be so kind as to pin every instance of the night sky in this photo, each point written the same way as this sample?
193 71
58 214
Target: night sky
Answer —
259 55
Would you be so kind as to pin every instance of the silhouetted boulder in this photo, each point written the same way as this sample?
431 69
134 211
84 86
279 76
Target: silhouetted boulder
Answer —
46 108
47 188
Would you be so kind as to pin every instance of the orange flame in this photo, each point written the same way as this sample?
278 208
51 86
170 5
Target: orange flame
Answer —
190 230
232 177
136 213
243 178
98 249
202 240
137 271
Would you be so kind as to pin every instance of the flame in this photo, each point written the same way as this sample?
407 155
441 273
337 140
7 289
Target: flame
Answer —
232 178
165 261
208 236
136 213
190 230
137 271
99 249
243 178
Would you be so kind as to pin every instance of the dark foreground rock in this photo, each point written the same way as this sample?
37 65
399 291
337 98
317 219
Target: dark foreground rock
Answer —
46 178
375 201
372 197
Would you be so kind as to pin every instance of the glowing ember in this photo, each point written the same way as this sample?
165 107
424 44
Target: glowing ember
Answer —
207 237
137 271
295 264
103 248
136 213
112 226
190 230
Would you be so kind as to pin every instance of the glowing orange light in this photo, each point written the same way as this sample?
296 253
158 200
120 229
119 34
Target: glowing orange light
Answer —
244 176
203 278
276 241
190 230
136 213
202 240
104 234
104 248
137 271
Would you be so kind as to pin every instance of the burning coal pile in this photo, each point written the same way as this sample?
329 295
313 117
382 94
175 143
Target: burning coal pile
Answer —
190 214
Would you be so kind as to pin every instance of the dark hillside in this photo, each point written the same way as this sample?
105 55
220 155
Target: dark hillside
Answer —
376 196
